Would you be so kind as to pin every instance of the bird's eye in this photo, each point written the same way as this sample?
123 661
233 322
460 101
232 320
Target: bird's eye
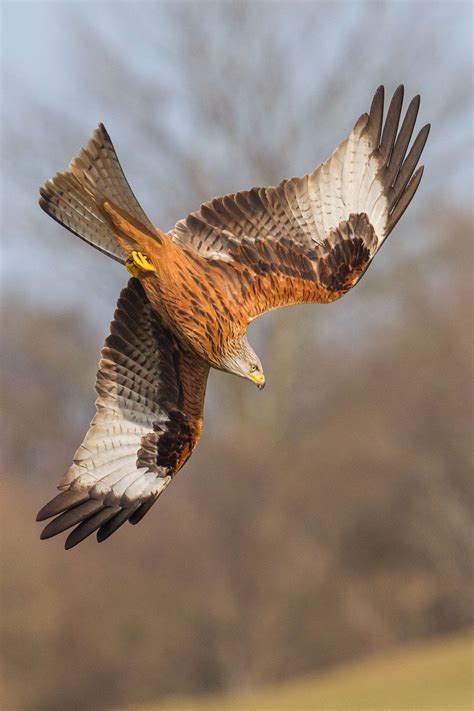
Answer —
253 368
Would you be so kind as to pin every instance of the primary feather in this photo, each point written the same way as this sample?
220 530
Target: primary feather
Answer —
309 239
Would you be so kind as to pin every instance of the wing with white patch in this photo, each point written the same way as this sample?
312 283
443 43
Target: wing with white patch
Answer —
311 239
148 421
370 172
324 228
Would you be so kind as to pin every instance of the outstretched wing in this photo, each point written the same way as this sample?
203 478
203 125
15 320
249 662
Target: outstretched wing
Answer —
148 421
310 239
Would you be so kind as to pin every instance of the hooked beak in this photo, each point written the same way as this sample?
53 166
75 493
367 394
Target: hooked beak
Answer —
258 379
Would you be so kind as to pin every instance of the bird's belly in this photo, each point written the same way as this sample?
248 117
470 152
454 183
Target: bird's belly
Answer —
194 311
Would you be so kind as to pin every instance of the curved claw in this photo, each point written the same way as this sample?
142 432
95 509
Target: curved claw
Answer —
138 263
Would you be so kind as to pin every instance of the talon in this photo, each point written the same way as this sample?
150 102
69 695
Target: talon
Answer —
134 271
137 263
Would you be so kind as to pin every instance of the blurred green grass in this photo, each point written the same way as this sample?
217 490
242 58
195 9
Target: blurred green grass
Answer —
434 676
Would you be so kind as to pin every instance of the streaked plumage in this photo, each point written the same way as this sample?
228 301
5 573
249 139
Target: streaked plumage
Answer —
307 240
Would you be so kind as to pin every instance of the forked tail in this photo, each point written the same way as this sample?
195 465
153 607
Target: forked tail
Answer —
75 198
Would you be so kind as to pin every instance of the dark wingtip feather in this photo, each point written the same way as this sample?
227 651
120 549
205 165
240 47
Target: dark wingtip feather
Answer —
378 99
376 114
391 123
70 518
409 165
406 198
361 122
402 141
141 511
85 528
62 502
114 523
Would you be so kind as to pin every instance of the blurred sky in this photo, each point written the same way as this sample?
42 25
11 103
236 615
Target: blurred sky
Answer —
43 54
357 531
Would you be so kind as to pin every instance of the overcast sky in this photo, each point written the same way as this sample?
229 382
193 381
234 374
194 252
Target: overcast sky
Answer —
42 55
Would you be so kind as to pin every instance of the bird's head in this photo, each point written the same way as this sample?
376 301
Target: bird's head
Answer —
242 360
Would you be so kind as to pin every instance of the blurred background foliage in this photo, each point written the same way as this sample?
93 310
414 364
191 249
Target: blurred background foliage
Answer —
324 519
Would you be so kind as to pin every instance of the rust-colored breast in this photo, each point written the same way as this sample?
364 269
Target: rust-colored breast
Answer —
208 302
199 300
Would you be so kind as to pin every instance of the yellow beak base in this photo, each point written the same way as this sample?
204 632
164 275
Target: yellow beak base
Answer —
258 379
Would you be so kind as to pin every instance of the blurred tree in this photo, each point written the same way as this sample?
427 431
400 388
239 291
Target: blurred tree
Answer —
269 557
328 516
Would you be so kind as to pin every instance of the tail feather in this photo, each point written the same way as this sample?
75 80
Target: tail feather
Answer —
74 198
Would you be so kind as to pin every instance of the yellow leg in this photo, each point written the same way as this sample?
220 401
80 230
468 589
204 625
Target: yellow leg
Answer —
138 263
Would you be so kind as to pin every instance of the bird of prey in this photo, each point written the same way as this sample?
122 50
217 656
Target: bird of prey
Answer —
195 289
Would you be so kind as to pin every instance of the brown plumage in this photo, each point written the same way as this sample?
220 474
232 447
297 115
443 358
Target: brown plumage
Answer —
199 286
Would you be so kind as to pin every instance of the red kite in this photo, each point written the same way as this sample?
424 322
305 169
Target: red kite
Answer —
195 290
